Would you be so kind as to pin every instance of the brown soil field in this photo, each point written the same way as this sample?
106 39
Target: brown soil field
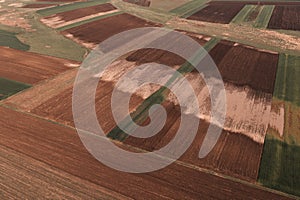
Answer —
255 2
243 65
82 12
217 13
97 31
38 5
162 57
31 68
145 3
44 154
285 17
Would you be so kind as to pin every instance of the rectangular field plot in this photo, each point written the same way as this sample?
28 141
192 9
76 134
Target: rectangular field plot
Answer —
70 17
217 13
285 17
243 65
31 68
50 155
288 82
9 87
95 32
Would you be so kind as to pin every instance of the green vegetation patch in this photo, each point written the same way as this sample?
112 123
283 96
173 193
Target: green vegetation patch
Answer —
188 8
47 41
287 85
68 7
264 17
242 15
9 87
9 39
280 166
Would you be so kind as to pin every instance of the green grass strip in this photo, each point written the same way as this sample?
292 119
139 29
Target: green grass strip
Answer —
241 16
191 12
10 87
9 39
287 84
264 17
87 21
188 7
68 7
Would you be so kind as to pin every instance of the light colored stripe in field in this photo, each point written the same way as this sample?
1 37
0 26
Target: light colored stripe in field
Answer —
264 17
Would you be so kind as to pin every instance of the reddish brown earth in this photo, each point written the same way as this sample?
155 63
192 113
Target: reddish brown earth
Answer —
217 13
285 17
82 12
145 3
234 154
162 57
46 153
38 5
97 31
31 68
242 65
255 2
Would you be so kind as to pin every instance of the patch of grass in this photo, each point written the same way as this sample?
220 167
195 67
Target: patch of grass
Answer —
10 87
47 41
167 5
9 39
241 16
280 166
68 7
264 17
287 85
87 21
189 7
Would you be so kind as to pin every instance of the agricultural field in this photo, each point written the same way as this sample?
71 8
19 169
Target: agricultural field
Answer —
31 68
285 17
217 13
9 87
93 33
257 155
9 39
70 17
42 148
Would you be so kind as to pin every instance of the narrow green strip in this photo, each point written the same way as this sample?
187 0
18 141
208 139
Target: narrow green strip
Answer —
264 17
188 7
241 16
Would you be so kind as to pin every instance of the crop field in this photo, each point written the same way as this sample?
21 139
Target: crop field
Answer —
42 148
243 65
31 68
9 87
166 5
93 33
280 165
287 85
39 5
9 39
145 3
77 15
285 17
217 13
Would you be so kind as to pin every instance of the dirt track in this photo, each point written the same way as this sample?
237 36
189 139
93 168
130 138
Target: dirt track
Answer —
31 68
51 147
